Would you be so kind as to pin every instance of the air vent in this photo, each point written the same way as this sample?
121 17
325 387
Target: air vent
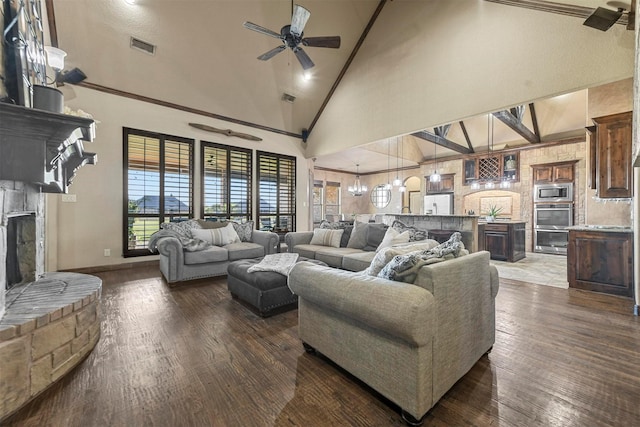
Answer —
143 46
288 98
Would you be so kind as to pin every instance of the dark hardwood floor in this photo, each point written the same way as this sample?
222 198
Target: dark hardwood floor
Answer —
192 356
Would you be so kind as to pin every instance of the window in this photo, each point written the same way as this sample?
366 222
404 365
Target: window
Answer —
332 200
276 192
158 185
226 182
318 202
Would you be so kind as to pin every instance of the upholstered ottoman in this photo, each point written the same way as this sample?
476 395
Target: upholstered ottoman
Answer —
264 292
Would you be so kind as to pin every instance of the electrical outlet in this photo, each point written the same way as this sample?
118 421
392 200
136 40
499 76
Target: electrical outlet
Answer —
107 252
69 198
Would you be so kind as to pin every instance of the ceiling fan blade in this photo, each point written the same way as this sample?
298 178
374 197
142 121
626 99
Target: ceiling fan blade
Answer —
299 19
326 41
273 52
258 28
304 59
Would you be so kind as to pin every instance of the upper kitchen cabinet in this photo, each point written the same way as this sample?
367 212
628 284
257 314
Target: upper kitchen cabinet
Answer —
445 185
553 172
613 155
497 166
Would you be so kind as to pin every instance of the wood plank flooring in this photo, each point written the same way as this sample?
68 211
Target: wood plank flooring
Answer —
192 356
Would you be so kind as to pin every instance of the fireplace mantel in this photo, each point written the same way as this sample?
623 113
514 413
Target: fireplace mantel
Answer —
43 147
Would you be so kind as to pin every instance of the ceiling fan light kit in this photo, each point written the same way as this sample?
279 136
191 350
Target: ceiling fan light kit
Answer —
292 37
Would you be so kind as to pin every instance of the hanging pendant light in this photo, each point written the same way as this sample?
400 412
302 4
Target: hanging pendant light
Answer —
402 187
397 182
357 189
489 184
435 176
388 185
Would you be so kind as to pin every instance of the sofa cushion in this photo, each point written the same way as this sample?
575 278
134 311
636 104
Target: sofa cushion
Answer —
415 234
375 235
242 250
393 237
182 228
333 256
211 224
404 268
307 251
218 236
358 239
244 230
385 255
210 254
357 261
326 237
348 229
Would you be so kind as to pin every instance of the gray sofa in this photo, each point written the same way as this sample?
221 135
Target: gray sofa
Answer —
409 342
177 264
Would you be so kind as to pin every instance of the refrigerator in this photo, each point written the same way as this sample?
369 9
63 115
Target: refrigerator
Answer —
438 204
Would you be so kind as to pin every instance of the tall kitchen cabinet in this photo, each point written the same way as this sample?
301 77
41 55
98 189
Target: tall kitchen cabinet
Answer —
612 150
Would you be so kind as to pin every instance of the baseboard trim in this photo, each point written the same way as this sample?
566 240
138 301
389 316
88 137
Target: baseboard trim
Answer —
112 267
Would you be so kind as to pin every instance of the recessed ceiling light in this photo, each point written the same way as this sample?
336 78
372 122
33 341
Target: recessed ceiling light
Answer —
131 2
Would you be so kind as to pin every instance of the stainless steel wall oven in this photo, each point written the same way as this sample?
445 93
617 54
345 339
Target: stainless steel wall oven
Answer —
550 222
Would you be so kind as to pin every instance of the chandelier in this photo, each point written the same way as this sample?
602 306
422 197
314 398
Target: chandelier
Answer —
357 189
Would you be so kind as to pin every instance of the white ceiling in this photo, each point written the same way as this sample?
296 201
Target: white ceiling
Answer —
206 60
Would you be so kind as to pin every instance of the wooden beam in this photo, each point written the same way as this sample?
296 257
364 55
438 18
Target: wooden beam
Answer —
512 121
534 119
443 142
466 135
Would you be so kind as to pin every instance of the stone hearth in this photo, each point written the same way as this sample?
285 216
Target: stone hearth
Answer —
49 326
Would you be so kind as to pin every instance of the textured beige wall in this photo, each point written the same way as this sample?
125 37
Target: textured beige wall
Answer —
605 100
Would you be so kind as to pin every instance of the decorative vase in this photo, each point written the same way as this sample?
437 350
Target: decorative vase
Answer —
491 218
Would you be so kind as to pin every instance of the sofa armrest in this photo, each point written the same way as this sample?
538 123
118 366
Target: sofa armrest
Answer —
172 248
495 280
267 239
399 309
297 238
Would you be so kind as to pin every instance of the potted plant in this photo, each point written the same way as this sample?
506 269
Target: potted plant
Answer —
493 212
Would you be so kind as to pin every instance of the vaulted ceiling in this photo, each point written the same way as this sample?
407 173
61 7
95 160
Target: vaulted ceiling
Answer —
205 61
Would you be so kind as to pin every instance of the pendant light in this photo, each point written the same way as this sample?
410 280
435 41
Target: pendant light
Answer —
388 186
435 176
489 184
402 187
357 189
397 182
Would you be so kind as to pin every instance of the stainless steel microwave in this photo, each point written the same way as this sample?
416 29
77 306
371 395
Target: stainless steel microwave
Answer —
552 193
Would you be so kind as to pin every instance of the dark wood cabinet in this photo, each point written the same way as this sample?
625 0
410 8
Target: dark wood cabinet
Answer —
614 175
496 167
444 186
505 241
553 172
601 261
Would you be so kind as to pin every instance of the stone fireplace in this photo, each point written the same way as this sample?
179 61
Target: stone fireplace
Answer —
49 322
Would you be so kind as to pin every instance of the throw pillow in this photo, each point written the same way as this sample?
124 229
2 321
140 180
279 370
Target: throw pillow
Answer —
385 255
358 239
243 230
415 233
211 224
217 236
324 237
375 234
183 228
393 237
348 228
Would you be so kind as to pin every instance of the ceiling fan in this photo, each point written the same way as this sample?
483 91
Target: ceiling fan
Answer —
292 37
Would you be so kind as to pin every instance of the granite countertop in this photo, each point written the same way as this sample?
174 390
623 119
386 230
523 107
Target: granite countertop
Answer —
601 228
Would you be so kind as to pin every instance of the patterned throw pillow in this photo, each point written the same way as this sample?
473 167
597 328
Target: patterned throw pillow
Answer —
217 236
324 237
404 268
243 230
183 228
385 255
414 233
348 228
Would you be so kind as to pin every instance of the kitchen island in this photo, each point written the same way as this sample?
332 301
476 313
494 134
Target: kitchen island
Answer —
504 239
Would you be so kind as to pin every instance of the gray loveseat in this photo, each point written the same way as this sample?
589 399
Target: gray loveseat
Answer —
181 259
409 342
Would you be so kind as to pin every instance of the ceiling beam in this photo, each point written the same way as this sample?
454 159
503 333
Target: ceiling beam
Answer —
534 119
516 125
466 136
443 142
